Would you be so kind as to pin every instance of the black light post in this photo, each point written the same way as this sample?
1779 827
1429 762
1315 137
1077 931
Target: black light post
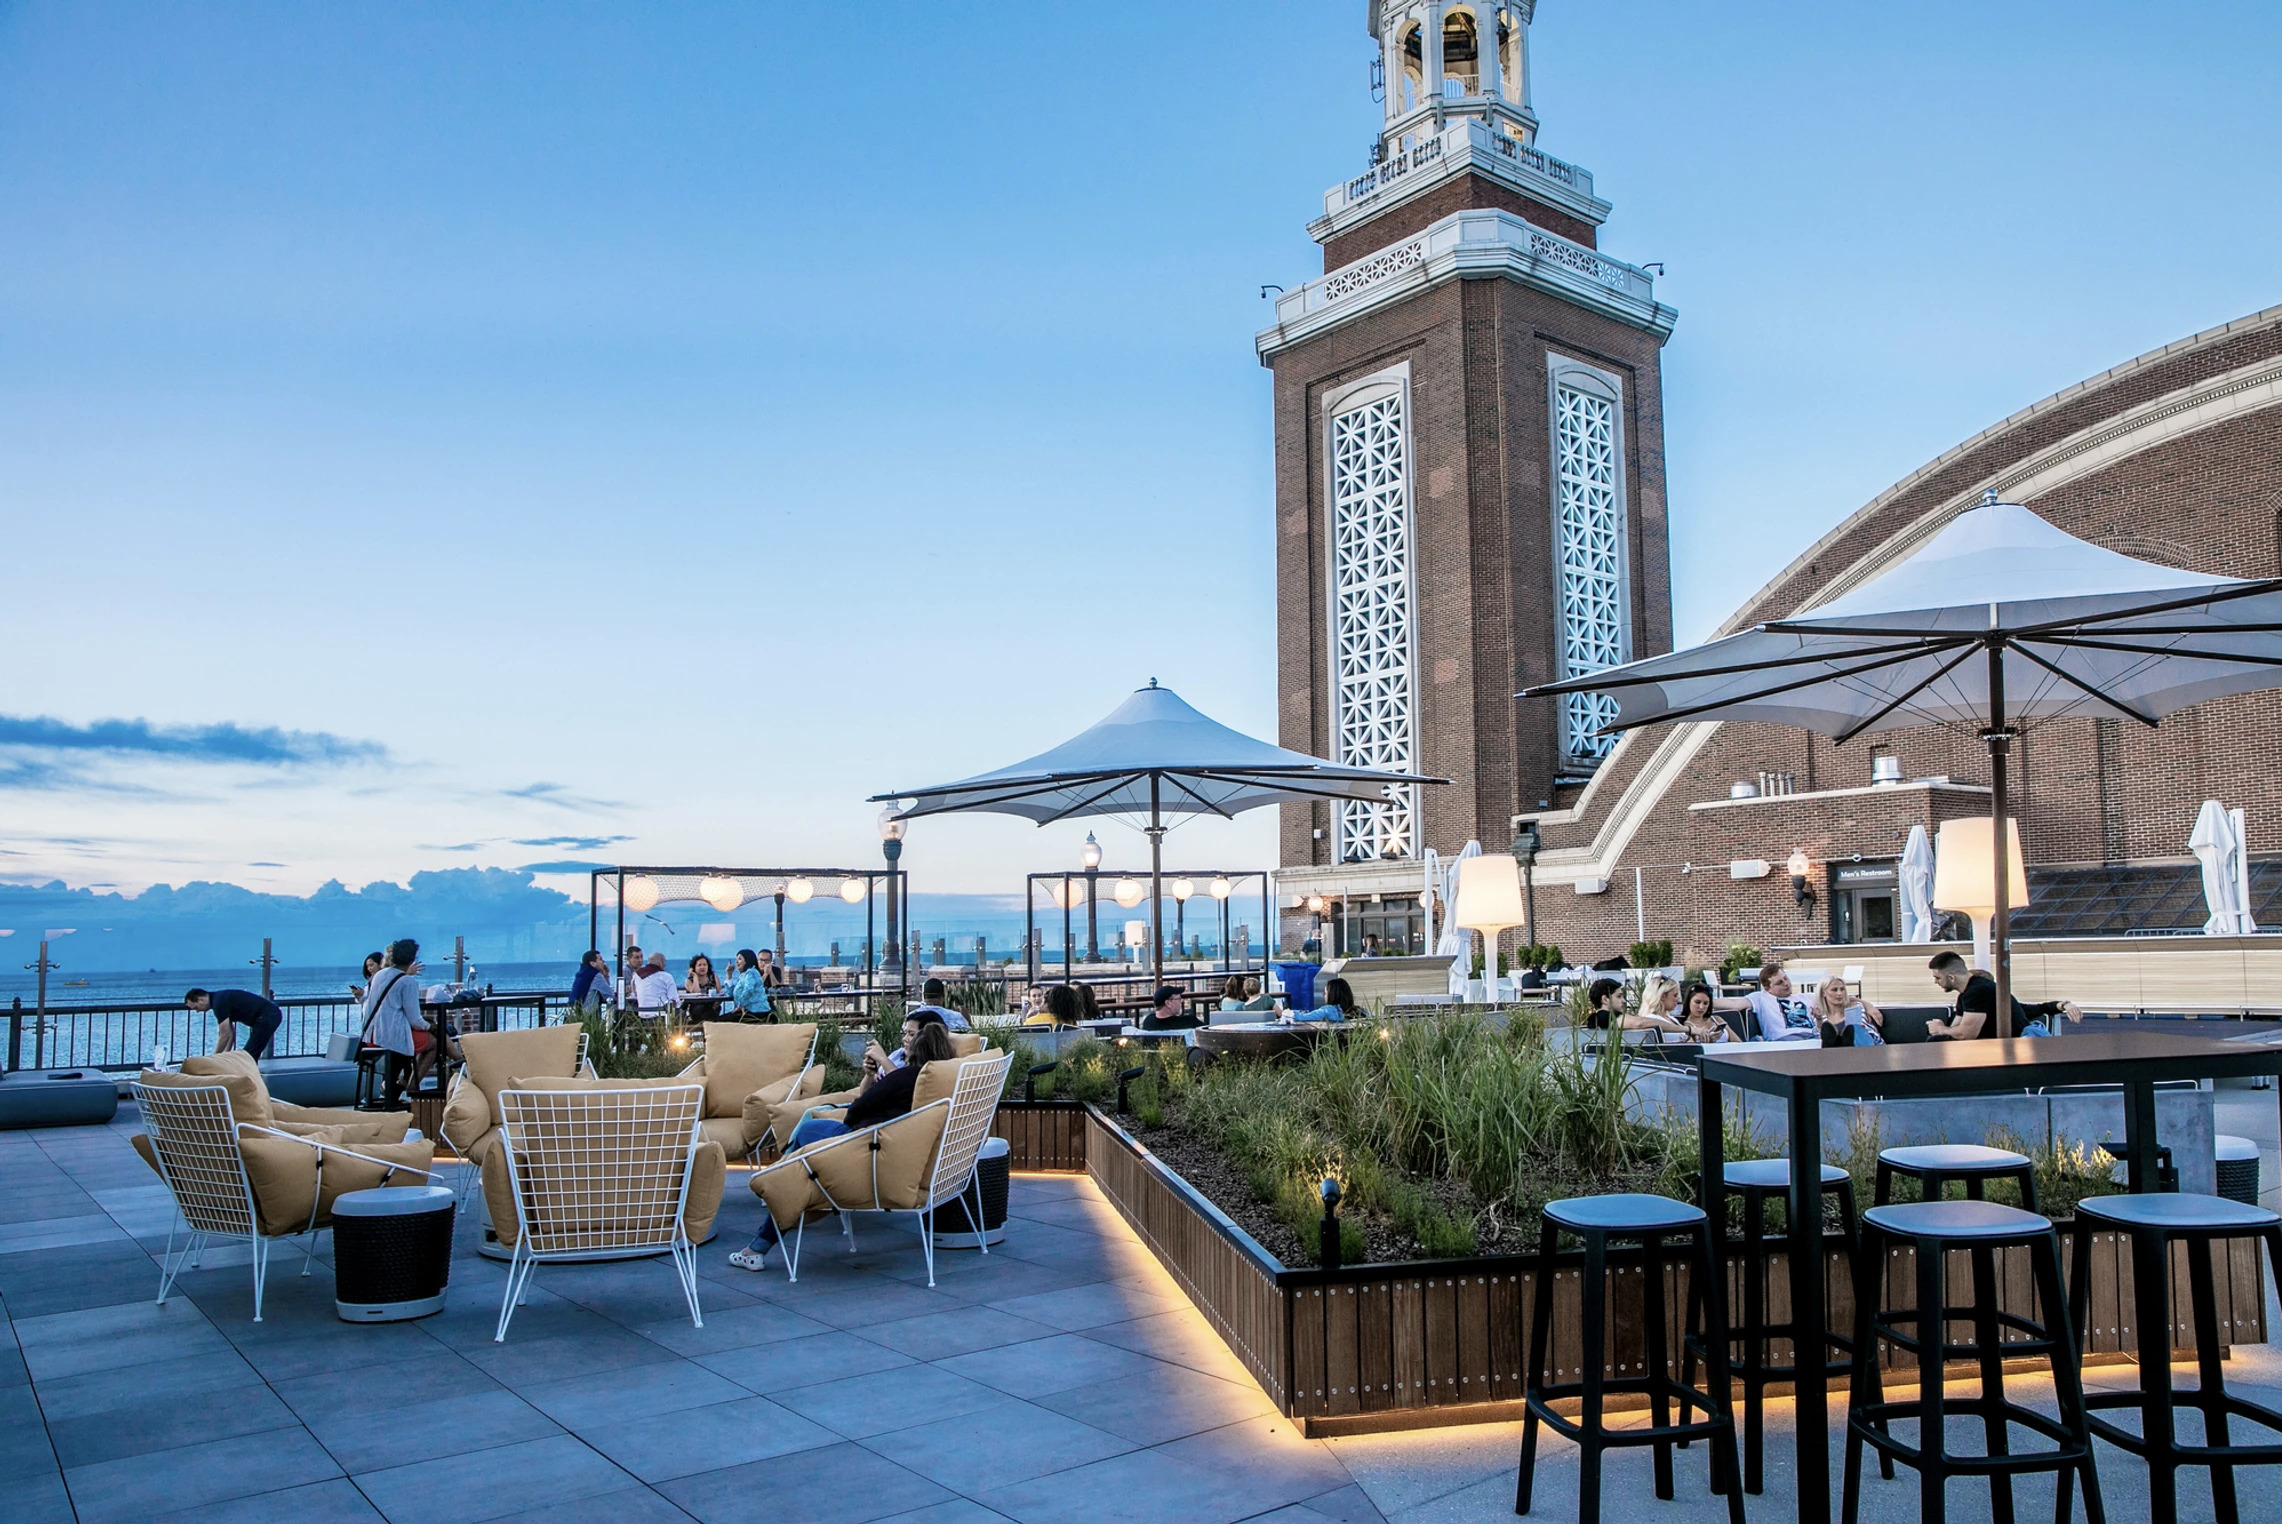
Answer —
1090 856
891 846
1526 842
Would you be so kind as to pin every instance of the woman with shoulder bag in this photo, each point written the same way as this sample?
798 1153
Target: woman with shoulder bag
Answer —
392 1019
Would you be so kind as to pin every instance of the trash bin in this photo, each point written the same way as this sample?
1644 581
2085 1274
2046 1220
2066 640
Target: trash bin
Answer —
953 1224
392 1253
2238 1168
1298 977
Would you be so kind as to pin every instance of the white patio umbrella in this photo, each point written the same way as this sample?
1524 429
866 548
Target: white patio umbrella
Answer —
1153 757
1999 619
1916 878
2217 843
1456 944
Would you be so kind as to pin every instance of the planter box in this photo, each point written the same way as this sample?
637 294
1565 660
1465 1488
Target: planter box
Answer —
1043 1136
1397 1346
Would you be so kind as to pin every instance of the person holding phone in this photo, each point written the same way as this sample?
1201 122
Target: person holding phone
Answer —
1843 1012
392 1019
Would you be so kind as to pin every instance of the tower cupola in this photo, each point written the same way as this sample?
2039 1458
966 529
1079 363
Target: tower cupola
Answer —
1446 60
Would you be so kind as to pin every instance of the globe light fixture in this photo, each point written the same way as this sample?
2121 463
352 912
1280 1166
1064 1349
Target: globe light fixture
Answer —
721 892
1129 892
1090 854
852 890
1316 904
799 890
1799 867
641 893
1182 889
891 825
1220 889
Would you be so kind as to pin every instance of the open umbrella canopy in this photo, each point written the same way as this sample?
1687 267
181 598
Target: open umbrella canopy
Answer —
2063 627
1153 753
2000 618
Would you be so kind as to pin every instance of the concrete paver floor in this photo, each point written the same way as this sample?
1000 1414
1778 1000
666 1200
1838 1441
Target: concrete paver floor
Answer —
1063 1377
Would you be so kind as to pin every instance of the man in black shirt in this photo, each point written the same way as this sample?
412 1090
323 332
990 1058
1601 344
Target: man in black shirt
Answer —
1974 1015
257 1013
1172 1009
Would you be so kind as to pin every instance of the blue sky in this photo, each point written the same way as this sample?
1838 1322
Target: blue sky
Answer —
523 435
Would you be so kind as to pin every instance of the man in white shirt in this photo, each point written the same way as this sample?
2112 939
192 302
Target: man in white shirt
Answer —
1776 1012
654 992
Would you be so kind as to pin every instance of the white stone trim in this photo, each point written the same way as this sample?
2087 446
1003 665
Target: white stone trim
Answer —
1481 243
1468 145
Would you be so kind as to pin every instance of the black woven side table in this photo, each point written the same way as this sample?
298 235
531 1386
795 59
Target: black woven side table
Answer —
392 1253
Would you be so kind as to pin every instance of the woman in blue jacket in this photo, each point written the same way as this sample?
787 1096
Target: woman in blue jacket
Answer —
749 989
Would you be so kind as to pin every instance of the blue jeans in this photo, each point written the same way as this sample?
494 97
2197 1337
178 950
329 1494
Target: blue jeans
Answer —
807 1132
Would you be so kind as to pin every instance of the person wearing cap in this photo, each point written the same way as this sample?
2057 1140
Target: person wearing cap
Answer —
1171 1010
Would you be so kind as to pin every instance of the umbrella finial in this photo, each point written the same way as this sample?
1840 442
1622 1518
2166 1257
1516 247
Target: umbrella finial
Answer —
1152 680
1989 498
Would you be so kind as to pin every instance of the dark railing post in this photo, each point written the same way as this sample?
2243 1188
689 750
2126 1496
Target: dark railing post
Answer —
16 1033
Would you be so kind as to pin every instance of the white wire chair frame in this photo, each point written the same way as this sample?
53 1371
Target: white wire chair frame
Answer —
971 1108
194 1140
599 1176
471 1175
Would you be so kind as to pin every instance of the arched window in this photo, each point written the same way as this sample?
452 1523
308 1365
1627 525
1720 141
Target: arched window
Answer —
1592 628
1461 53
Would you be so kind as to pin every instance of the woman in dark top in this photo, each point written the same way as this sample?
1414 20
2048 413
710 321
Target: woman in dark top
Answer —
886 1096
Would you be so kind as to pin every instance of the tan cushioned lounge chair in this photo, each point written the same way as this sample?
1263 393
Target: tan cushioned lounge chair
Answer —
748 1070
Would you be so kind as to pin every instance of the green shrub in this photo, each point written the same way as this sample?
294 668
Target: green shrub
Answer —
1650 955
1740 956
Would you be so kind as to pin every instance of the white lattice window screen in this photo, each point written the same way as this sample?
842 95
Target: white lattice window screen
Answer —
1375 702
1591 551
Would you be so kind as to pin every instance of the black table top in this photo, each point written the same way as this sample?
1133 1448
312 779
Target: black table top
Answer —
1984 1064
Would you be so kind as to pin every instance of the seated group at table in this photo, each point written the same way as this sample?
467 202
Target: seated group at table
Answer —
1834 1014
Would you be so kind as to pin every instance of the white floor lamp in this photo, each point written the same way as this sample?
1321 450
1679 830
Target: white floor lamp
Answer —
1489 901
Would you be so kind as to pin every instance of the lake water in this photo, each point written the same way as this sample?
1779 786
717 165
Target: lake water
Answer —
123 986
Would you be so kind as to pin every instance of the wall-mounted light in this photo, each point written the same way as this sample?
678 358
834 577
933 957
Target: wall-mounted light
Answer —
1799 867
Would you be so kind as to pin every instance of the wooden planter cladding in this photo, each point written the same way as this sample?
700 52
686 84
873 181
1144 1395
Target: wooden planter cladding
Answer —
1043 1136
1393 1346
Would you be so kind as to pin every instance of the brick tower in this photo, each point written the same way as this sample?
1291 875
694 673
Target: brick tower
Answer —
1469 472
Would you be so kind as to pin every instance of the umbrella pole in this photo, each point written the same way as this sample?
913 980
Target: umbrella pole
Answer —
2000 741
1156 883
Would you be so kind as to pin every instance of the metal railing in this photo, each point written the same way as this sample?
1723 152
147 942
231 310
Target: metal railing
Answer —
128 1035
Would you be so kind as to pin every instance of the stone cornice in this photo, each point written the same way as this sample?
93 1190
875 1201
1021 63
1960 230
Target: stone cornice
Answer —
1476 244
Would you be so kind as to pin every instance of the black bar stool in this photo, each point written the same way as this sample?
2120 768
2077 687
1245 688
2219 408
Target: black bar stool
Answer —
1649 1219
2154 1220
1934 1167
1756 1181
1933 1229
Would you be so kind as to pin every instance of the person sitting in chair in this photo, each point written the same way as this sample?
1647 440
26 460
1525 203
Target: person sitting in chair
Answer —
886 1095
1974 1016
1171 1010
1338 1004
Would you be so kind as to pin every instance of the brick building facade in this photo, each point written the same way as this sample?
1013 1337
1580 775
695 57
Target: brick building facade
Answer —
1470 499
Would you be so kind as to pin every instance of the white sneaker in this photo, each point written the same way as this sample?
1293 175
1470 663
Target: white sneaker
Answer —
750 1260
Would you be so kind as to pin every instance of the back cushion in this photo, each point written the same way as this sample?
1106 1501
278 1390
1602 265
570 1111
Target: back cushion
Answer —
231 1062
965 1046
494 1060
247 1102
741 1058
939 1078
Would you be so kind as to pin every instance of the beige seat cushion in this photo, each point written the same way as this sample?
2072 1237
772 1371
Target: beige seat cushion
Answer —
284 1174
376 1128
742 1058
249 1102
785 1116
840 1172
759 1122
965 1046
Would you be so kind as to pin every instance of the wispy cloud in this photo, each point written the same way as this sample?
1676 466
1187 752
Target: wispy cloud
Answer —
577 844
263 863
41 775
547 793
562 866
223 742
450 847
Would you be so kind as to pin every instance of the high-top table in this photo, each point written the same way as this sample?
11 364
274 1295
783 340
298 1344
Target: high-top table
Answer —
1806 1078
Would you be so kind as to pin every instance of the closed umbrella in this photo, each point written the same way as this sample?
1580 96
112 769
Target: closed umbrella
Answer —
2216 843
1154 757
1917 887
1999 619
1456 944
